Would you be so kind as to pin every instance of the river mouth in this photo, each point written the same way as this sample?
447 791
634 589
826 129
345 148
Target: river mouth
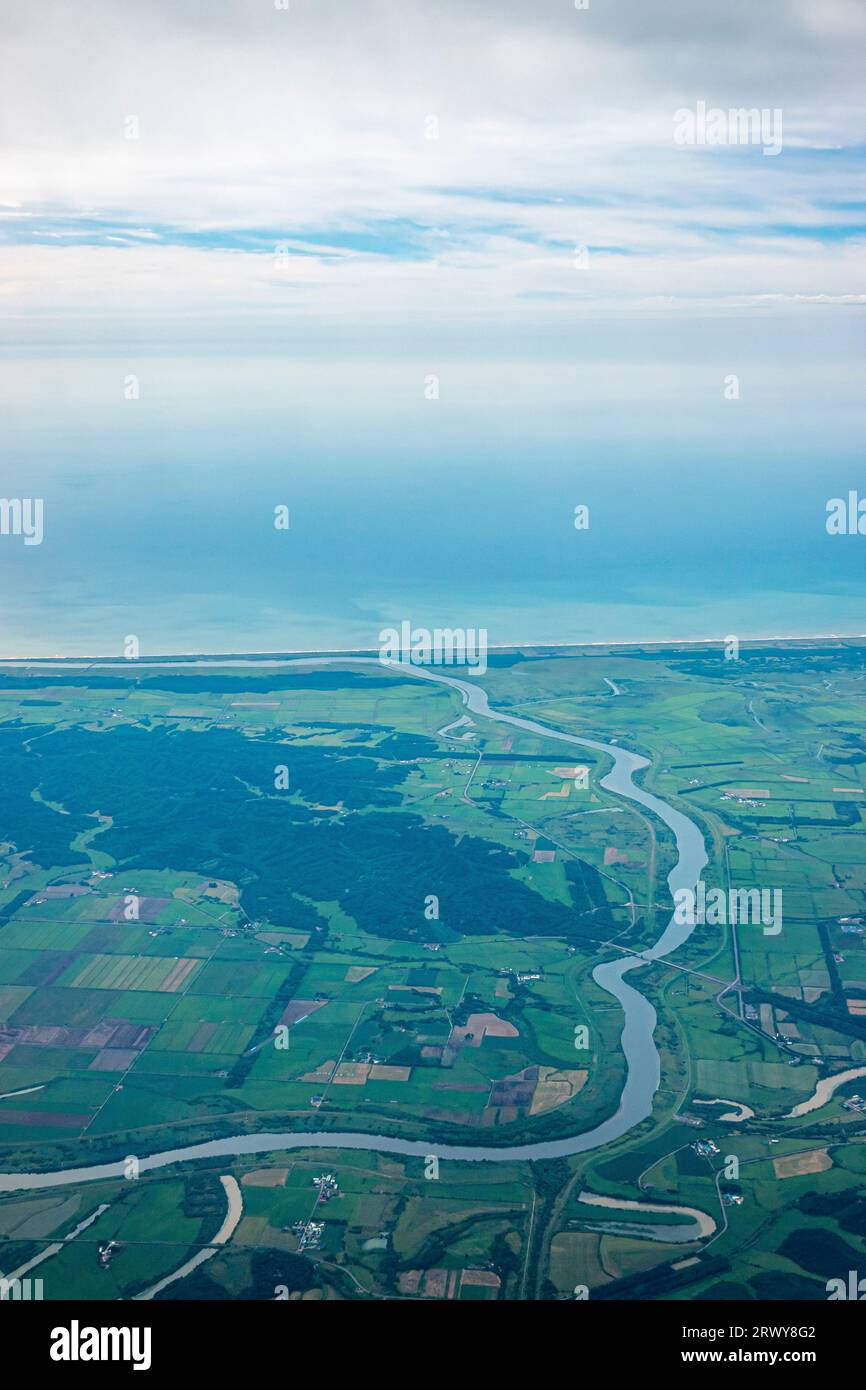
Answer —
643 1066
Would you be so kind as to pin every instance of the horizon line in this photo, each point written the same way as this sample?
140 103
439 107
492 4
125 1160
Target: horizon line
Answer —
300 652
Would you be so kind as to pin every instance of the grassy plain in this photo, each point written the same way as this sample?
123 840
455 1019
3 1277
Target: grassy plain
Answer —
237 901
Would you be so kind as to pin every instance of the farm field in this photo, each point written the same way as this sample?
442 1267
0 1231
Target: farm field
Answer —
239 902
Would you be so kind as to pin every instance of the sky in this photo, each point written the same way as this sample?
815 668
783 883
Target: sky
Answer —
334 169
430 274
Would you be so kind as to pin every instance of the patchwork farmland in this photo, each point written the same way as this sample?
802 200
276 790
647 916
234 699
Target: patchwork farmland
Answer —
402 941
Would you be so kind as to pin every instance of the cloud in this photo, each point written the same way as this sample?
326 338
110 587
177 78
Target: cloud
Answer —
414 158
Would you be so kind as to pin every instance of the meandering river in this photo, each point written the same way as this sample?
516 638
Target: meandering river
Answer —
637 1040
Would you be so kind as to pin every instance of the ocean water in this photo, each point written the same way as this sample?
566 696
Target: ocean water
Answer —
706 516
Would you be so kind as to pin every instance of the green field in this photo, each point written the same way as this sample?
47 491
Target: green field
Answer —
402 940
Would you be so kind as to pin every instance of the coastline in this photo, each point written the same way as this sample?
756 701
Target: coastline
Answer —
294 653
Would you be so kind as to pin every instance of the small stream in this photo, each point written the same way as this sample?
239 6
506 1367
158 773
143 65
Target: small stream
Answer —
639 1017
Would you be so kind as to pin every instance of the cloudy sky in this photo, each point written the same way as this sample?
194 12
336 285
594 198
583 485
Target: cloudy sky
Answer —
394 167
281 222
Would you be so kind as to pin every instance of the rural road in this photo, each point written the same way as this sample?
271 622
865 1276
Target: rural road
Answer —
637 1038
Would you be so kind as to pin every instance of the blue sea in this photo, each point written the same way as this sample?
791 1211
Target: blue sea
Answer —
160 476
